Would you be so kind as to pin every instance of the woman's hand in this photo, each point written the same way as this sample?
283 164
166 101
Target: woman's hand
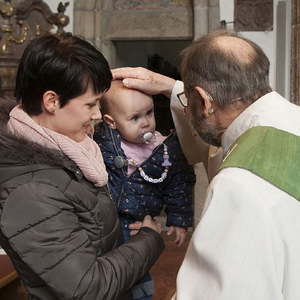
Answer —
180 234
147 222
145 80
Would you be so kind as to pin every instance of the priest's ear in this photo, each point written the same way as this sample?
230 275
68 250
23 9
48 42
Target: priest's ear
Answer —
109 120
206 101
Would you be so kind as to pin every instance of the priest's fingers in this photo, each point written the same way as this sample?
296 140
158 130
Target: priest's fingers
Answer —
145 80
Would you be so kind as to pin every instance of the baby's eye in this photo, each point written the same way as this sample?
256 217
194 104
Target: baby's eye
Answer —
135 118
150 112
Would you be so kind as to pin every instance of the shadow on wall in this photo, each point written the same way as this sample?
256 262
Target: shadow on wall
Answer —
164 121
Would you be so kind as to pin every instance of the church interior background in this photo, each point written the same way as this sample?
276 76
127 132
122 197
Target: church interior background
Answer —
152 34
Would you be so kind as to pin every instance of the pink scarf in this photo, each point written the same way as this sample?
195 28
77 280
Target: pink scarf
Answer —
86 154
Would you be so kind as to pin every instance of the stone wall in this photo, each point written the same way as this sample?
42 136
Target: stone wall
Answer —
102 22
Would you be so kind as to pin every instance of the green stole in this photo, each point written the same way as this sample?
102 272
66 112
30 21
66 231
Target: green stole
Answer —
269 153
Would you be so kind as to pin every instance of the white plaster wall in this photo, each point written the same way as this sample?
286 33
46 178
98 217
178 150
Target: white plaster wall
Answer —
69 11
266 40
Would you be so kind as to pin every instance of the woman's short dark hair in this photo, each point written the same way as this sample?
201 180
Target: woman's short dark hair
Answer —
222 73
65 64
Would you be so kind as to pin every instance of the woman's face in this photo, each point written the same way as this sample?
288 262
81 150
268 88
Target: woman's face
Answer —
74 119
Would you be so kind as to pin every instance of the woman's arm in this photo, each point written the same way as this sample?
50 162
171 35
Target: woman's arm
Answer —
53 242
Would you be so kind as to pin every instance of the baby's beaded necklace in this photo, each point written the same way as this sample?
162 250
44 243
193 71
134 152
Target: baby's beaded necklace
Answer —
166 163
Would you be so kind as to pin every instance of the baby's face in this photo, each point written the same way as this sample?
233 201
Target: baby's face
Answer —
134 116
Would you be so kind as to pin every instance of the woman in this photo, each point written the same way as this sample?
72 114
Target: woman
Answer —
57 222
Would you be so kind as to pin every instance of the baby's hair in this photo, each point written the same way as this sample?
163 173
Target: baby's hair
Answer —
114 95
110 95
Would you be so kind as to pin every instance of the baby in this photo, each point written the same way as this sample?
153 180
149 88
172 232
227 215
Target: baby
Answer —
147 171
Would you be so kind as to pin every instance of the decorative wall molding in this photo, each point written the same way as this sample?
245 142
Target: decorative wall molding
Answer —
295 60
149 4
20 22
253 15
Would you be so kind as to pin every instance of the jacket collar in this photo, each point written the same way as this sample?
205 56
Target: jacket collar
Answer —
254 115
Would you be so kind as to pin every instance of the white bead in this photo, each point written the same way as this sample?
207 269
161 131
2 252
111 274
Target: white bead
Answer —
144 175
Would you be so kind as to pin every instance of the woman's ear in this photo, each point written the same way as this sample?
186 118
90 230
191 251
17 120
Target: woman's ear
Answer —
206 101
110 121
50 102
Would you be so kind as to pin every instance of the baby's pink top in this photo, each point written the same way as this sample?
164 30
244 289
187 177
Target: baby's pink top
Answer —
140 152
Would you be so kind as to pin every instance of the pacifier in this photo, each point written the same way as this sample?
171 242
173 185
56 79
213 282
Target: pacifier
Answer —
147 136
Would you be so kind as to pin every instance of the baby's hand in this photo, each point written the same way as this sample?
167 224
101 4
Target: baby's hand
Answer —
147 222
180 234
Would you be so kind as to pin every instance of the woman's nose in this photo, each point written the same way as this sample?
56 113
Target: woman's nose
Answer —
97 114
